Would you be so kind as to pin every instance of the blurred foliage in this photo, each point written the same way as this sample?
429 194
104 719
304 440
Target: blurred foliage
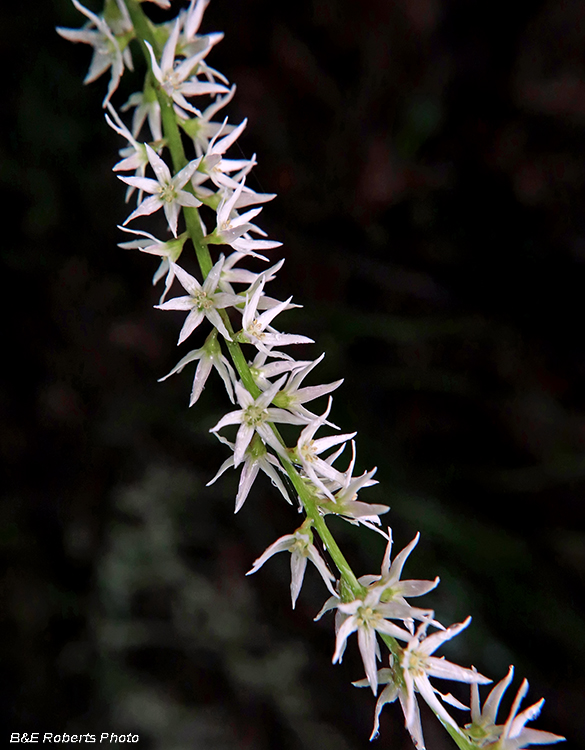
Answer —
428 156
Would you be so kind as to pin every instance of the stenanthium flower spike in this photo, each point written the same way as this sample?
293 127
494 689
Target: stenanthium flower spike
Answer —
233 320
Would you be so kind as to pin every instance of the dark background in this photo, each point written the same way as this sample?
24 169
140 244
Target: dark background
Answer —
429 160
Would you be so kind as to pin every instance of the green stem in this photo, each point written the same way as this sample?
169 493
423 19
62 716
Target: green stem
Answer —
143 29
457 736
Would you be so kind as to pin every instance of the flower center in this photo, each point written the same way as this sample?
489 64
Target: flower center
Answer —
167 193
171 82
202 301
254 415
366 615
417 664
307 451
299 546
255 329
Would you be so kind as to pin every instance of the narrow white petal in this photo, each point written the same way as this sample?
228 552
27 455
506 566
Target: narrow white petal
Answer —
446 670
172 213
168 56
492 703
192 321
155 66
234 417
192 356
427 692
247 477
243 438
147 207
177 303
223 468
162 172
367 646
432 643
280 545
201 374
348 627
298 565
188 282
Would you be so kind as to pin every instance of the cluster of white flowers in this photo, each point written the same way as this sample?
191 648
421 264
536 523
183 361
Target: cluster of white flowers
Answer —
230 301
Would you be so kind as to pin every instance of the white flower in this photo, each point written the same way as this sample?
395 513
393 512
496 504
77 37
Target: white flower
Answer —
106 49
256 458
345 504
145 106
256 416
308 450
194 17
408 675
134 156
209 356
262 371
166 190
257 329
231 275
383 601
418 665
232 229
292 396
513 735
203 301
194 42
392 589
173 79
202 130
169 251
214 166
394 689
368 616
300 545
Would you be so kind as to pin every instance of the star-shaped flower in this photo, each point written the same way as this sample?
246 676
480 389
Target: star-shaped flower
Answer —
166 192
203 301
145 106
134 156
257 329
213 164
256 458
292 396
396 688
107 52
418 664
513 735
368 616
176 80
233 229
256 416
345 503
308 450
300 545
169 251
208 356
392 589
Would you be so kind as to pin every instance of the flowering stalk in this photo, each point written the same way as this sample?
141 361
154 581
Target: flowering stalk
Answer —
268 389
